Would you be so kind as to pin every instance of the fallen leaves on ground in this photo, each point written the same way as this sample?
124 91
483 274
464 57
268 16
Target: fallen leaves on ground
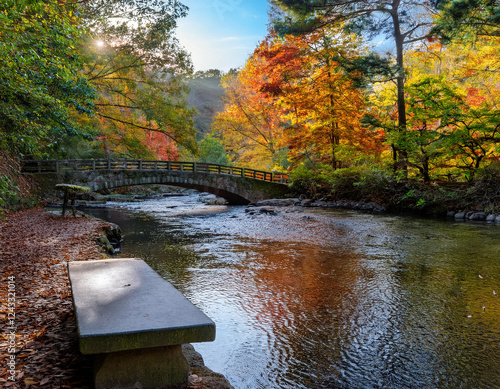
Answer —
35 249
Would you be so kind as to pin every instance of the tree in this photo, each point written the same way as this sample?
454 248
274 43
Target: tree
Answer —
433 111
321 106
452 106
250 123
136 65
405 21
481 17
211 150
41 87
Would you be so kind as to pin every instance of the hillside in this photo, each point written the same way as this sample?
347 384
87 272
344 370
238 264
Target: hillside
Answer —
206 96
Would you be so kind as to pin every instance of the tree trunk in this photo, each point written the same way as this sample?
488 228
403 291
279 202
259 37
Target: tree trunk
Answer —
402 154
425 169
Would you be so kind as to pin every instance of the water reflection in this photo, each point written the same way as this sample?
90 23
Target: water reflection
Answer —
330 299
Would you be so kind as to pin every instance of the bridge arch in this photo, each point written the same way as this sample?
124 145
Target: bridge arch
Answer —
236 185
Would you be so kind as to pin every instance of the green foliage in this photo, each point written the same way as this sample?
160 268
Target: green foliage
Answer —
311 181
14 188
9 194
462 19
40 83
367 183
212 150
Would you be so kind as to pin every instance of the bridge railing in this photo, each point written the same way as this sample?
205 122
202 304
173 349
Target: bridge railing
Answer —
58 166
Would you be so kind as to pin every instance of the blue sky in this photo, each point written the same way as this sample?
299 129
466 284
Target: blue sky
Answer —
221 34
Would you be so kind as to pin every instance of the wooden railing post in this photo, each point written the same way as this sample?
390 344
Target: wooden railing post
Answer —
194 167
57 166
140 165
109 164
243 172
93 165
39 166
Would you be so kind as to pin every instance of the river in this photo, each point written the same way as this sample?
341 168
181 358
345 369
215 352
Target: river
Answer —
316 298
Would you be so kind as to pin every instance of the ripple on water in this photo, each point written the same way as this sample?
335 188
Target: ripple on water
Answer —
336 300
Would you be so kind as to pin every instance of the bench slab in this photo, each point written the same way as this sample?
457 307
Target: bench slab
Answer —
123 304
135 322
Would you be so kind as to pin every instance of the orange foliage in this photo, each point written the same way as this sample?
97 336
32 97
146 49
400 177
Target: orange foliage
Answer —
322 107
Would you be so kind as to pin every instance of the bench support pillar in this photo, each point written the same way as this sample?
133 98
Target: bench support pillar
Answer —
145 368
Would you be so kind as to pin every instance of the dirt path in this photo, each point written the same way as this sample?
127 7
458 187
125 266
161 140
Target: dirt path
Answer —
34 250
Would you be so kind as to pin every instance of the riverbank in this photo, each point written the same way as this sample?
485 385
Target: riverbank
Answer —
34 250
381 191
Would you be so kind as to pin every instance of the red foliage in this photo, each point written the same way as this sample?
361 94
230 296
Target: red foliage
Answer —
162 146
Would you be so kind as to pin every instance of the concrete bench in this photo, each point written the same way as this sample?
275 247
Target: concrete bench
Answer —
135 323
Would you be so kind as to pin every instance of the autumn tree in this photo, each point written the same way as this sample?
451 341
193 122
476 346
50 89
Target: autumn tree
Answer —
405 22
322 107
135 63
250 123
452 105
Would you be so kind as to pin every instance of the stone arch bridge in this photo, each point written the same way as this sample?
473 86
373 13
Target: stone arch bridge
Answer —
237 185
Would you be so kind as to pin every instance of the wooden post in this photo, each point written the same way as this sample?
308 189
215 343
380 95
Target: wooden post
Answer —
65 200
140 165
73 197
109 164
93 164
243 172
39 166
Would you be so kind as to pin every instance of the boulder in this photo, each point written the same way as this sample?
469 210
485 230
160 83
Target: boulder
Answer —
477 216
306 203
377 208
277 202
469 214
267 211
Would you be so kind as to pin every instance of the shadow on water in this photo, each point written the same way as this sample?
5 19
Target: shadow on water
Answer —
329 299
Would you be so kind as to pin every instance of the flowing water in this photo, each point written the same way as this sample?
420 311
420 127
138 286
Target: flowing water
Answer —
329 298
